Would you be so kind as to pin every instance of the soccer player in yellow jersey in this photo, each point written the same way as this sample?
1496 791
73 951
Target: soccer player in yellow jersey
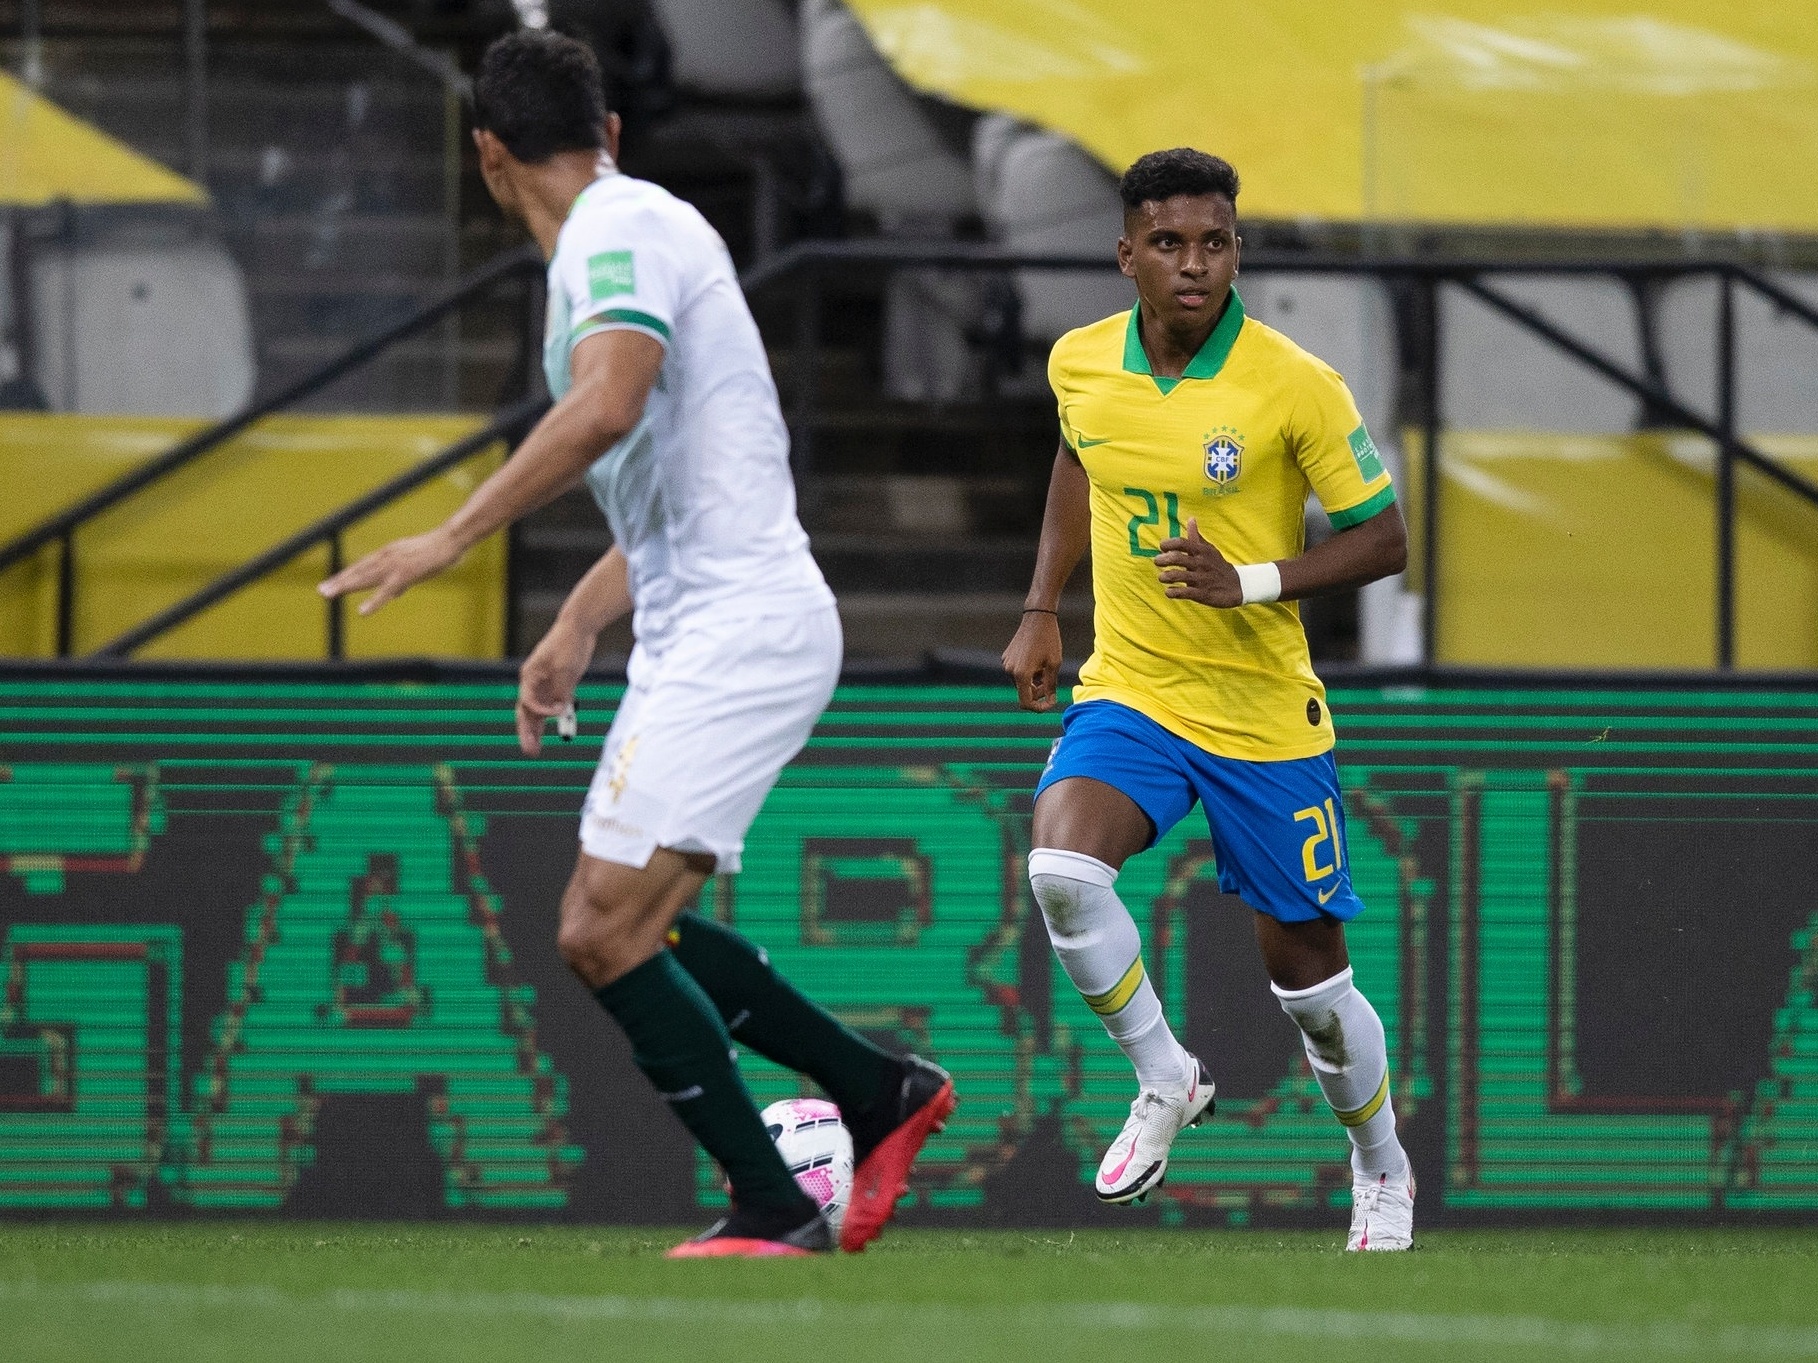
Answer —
1191 438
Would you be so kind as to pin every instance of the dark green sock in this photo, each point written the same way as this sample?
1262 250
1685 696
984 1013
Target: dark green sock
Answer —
764 1011
679 1042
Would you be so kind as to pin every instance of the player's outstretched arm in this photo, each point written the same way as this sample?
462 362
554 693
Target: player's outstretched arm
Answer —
1034 655
548 677
1192 568
614 371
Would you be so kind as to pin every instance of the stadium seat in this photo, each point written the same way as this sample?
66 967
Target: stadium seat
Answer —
1776 354
145 330
16 389
904 161
745 49
1349 323
1040 193
899 160
1497 375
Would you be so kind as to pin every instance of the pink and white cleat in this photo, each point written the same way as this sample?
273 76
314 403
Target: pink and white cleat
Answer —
1138 1159
1382 1213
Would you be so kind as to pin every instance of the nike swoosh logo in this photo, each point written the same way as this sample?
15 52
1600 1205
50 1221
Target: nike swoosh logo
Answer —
1118 1172
1324 895
1086 444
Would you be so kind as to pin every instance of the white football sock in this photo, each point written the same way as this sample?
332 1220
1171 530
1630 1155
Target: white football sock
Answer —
1102 952
1350 1058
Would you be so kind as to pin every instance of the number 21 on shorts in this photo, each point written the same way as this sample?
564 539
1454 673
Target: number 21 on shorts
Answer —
1312 853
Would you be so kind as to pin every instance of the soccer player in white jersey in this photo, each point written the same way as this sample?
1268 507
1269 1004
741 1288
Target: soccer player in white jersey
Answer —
666 407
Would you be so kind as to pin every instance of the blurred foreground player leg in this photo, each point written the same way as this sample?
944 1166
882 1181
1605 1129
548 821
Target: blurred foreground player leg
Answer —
890 1105
1191 439
665 407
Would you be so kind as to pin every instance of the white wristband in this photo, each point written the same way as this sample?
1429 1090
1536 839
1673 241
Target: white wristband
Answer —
1260 581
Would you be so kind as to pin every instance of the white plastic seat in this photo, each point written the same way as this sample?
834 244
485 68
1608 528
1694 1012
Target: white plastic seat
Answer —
1776 353
739 48
1498 375
899 163
147 330
1347 321
1040 194
896 162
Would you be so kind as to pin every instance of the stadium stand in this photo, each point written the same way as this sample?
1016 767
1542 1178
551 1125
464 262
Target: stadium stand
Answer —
921 423
333 233
738 49
904 160
136 306
148 330
1776 356
156 549
1552 121
1041 195
1500 377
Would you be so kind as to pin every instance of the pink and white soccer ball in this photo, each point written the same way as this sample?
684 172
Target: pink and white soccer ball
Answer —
816 1146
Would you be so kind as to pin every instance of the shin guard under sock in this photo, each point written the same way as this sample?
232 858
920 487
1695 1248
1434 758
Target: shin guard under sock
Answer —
1100 949
764 1011
679 1043
1350 1059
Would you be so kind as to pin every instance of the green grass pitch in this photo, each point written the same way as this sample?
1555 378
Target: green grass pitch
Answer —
246 1291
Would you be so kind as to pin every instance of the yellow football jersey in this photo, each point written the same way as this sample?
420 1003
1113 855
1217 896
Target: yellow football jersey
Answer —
1237 442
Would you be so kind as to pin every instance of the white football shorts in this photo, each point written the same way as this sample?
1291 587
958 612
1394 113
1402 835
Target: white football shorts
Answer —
708 723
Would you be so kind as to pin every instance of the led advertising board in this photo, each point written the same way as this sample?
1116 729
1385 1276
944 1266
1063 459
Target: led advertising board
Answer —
289 946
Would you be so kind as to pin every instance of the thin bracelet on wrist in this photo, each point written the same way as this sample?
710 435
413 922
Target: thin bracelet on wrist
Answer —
1040 610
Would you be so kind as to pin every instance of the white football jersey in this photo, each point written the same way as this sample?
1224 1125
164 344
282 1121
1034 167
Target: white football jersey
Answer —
699 496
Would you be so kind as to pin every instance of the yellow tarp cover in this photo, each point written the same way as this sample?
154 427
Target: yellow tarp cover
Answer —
182 533
47 154
1600 551
1600 114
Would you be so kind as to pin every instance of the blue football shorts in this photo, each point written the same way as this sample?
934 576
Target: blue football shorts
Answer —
1278 828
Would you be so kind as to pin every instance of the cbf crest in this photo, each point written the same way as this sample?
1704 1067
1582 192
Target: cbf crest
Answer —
1224 456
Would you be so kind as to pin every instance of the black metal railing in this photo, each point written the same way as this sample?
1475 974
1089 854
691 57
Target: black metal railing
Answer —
61 529
509 426
808 265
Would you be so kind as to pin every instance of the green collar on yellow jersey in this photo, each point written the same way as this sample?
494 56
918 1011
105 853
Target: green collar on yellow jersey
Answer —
1205 365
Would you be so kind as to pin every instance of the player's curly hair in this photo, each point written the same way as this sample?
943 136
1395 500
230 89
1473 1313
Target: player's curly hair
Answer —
1180 170
540 93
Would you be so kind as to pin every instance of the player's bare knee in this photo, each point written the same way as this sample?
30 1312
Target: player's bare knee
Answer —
585 934
599 952
584 939
1093 819
576 943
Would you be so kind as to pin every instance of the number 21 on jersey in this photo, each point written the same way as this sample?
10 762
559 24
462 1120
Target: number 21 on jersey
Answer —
1151 514
1314 852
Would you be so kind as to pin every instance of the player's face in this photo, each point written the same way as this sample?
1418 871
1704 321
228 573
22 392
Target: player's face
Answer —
1182 253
